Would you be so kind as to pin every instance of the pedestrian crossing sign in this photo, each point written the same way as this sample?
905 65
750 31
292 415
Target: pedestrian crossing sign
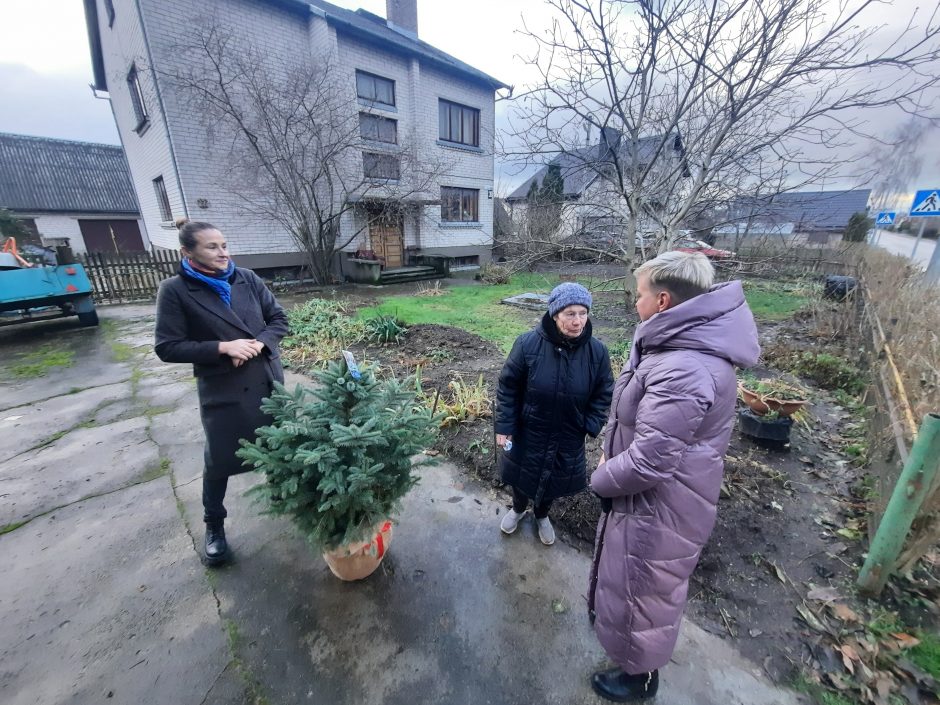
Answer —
885 218
926 203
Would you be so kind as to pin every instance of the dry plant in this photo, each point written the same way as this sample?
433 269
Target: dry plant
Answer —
907 310
431 290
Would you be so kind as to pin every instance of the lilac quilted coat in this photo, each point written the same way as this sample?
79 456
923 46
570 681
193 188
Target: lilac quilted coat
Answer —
669 427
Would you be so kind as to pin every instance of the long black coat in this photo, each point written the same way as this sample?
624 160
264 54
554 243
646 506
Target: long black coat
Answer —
191 321
552 391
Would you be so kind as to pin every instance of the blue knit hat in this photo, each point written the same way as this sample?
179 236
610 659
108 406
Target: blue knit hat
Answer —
568 294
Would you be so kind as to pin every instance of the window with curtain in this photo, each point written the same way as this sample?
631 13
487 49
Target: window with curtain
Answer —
375 89
458 123
379 166
378 128
460 205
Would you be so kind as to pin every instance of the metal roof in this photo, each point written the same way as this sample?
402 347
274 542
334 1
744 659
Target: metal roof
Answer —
807 210
42 175
359 23
579 167
367 26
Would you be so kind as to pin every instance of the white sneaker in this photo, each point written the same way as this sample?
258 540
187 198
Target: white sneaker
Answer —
546 532
511 521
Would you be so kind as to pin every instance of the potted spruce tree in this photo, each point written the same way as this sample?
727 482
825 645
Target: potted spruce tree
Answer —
338 459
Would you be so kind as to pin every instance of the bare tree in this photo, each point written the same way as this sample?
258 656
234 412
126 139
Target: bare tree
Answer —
293 143
701 101
898 162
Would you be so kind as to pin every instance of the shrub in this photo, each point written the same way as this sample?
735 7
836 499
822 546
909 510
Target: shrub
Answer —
385 329
827 371
494 274
319 330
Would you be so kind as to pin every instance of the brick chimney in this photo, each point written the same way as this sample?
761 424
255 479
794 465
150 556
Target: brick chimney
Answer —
403 14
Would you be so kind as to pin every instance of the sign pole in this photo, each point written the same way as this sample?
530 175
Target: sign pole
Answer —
920 234
933 269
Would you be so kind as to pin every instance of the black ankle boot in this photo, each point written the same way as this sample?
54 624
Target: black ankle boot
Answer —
623 688
216 548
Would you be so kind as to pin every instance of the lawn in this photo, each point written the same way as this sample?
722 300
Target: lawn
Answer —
776 301
476 308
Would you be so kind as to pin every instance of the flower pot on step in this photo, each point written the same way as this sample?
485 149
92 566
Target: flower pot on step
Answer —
359 560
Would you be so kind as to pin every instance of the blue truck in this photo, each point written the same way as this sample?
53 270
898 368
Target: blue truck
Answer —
42 291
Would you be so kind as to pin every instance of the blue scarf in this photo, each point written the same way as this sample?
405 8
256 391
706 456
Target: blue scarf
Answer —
218 283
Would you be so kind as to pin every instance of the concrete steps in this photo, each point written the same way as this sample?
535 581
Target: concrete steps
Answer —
408 274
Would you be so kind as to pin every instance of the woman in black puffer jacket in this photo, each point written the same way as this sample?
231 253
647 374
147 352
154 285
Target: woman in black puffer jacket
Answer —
554 388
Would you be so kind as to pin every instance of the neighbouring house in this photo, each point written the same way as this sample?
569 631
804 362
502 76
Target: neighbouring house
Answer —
399 85
71 193
591 205
815 217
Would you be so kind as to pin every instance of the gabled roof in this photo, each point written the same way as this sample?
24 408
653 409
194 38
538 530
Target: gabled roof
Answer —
810 210
371 27
360 24
579 167
42 175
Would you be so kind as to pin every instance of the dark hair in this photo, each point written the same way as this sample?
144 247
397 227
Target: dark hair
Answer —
189 229
680 289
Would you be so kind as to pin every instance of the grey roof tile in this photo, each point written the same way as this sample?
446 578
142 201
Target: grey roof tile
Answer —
39 174
821 210
579 167
375 27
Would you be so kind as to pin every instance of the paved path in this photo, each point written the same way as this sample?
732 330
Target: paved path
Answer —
104 600
901 244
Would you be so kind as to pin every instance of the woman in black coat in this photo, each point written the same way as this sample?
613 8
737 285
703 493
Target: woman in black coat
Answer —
554 388
226 322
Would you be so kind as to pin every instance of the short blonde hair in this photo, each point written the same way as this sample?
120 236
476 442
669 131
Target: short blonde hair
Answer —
682 274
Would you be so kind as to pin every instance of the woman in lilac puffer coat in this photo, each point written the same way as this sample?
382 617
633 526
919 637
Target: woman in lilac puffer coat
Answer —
660 474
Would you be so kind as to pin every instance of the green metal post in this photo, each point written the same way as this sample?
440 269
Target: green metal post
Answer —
909 493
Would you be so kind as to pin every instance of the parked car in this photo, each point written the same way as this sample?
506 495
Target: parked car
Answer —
703 247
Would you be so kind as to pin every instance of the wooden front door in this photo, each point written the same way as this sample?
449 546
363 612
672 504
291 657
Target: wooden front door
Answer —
387 242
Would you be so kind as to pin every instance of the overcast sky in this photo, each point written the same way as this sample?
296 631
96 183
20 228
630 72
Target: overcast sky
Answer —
45 65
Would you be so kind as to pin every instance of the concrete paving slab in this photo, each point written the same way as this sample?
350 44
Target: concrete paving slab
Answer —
86 462
32 424
92 364
456 614
107 601
104 602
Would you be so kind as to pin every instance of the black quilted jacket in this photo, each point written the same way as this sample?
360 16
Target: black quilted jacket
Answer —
552 391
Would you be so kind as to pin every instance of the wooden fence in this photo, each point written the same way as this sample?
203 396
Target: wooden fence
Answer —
128 276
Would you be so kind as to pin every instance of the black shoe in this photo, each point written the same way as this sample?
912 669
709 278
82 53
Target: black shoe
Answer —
216 548
623 688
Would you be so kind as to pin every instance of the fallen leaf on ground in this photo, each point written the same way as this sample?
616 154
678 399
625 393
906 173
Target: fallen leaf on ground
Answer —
811 619
559 606
905 641
843 613
823 594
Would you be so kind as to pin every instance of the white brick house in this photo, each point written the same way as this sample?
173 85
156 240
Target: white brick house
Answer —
419 90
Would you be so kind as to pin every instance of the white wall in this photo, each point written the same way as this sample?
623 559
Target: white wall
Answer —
54 226
291 38
148 153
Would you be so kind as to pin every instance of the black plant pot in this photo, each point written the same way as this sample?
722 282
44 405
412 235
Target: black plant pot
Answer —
773 432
